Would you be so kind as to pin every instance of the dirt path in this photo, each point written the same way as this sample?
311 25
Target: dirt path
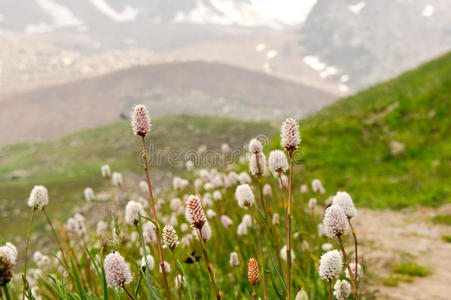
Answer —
388 237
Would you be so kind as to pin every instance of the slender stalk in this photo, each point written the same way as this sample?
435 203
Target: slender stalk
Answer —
235 279
354 291
55 235
6 292
260 252
27 241
127 292
330 289
179 284
154 214
207 262
288 225
254 293
355 250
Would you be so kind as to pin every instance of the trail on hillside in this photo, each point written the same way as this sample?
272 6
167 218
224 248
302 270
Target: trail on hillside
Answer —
390 237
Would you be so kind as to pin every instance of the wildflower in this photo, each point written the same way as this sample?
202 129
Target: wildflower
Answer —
8 260
211 213
173 220
247 220
353 269
76 227
234 178
89 194
255 146
226 221
277 162
244 195
187 240
327 246
106 171
283 253
267 191
170 238
132 212
330 265
147 262
176 203
344 200
197 184
180 279
290 135
184 227
217 195
335 221
244 178
143 186
208 186
275 219
312 203
342 289
242 229
167 267
252 273
149 234
117 271
194 212
206 231
117 179
317 186
39 197
257 164
140 120
301 295
321 230
234 261
189 165
225 149
283 184
304 189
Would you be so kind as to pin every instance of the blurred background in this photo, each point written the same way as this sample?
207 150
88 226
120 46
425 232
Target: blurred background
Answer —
69 65
225 71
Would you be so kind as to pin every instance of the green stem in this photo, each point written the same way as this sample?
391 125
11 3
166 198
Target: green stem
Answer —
260 253
27 241
207 262
154 214
288 225
354 290
6 292
128 293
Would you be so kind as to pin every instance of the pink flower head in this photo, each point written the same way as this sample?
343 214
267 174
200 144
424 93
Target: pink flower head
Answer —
194 212
140 120
290 135
117 271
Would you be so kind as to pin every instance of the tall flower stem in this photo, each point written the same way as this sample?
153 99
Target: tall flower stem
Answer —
354 291
207 262
288 225
254 293
127 292
55 235
260 252
330 289
154 214
6 292
235 279
355 250
179 284
27 241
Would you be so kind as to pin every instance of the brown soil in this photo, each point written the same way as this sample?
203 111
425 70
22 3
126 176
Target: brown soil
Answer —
388 237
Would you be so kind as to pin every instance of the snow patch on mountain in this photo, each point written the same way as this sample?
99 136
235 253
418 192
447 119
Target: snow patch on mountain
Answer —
128 14
356 8
428 11
275 14
61 17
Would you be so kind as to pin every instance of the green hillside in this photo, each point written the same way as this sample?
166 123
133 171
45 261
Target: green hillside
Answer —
347 145
69 164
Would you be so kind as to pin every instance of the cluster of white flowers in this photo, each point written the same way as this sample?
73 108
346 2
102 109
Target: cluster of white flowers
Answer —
244 196
39 197
117 271
330 265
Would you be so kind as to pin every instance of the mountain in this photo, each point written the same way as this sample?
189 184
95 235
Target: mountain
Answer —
364 42
336 45
389 145
191 88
